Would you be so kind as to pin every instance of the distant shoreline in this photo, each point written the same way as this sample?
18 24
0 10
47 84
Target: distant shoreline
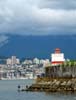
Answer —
17 79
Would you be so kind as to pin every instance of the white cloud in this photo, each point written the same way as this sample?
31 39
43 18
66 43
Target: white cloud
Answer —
37 17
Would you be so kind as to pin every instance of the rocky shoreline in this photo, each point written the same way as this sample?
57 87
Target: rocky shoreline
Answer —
54 85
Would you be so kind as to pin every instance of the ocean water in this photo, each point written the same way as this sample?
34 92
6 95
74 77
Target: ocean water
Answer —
8 91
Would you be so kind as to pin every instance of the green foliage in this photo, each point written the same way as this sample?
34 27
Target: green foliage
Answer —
69 63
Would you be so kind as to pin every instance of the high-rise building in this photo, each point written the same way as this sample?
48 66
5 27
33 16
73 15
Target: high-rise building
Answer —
8 61
13 60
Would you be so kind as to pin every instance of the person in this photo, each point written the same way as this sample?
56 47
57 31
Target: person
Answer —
19 87
26 86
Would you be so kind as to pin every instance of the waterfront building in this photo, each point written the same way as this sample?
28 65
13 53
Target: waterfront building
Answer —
17 61
27 62
36 61
42 61
46 62
8 61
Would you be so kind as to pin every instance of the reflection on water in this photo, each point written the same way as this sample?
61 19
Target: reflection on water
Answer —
8 91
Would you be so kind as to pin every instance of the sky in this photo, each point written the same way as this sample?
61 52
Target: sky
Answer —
36 18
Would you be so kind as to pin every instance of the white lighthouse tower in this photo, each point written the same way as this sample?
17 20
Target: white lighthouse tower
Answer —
57 57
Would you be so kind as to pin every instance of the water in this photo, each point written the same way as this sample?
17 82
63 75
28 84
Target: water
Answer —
8 91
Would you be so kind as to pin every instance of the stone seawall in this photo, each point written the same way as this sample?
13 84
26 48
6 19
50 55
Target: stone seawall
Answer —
54 85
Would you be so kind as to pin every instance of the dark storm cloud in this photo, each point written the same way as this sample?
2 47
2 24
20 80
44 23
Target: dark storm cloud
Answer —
37 17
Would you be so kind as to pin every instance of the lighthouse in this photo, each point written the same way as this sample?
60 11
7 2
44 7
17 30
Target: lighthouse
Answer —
57 57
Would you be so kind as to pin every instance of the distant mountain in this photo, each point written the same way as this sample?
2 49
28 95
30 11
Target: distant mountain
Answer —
39 46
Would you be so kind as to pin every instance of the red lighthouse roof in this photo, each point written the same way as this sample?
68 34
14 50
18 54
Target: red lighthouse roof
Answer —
57 50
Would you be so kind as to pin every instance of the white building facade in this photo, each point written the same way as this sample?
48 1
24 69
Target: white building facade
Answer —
57 57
